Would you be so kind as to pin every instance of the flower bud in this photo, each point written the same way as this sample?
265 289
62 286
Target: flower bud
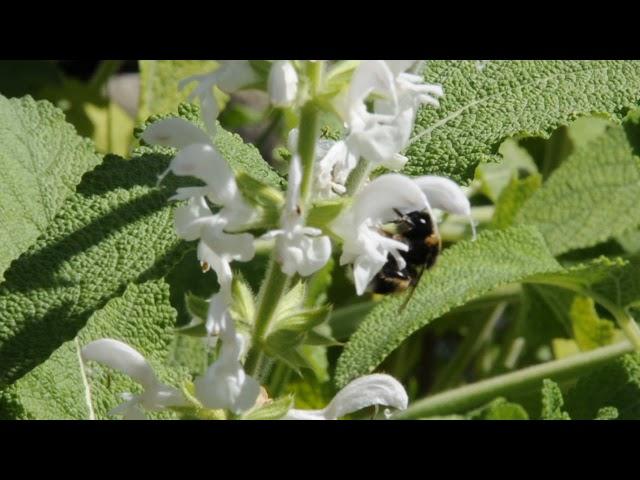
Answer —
283 83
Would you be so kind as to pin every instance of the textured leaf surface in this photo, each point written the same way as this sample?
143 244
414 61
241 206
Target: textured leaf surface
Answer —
591 197
614 385
613 281
513 197
552 402
465 271
42 160
589 330
244 157
116 229
484 104
159 84
64 388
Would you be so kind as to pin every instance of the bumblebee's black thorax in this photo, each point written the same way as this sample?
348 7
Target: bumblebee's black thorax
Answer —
417 230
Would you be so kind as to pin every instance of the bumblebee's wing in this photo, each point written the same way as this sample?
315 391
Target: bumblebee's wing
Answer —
413 288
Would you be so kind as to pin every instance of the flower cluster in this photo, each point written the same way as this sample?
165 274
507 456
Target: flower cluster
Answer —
378 105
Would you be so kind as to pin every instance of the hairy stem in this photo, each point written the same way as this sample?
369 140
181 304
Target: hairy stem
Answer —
358 176
275 283
309 130
470 396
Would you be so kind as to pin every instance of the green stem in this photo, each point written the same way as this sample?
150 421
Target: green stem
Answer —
477 335
309 131
273 287
358 176
105 70
470 396
628 326
275 283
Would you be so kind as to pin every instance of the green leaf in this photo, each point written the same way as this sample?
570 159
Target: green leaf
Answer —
483 106
196 306
318 284
244 157
513 197
494 177
499 409
42 160
552 402
65 388
272 410
465 271
589 330
159 80
116 229
322 213
613 282
592 196
616 385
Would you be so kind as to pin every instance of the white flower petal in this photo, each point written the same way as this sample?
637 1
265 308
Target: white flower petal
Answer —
294 180
364 269
283 83
317 255
399 66
233 75
174 132
218 317
120 356
190 219
204 162
444 194
129 410
387 193
237 246
371 76
295 414
220 264
376 389
225 384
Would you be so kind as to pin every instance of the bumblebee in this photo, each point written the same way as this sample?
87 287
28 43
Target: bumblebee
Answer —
419 232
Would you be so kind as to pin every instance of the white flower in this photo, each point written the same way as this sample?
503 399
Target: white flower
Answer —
381 135
219 318
197 157
225 384
333 168
216 248
283 83
334 162
303 250
378 203
230 76
377 389
122 357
